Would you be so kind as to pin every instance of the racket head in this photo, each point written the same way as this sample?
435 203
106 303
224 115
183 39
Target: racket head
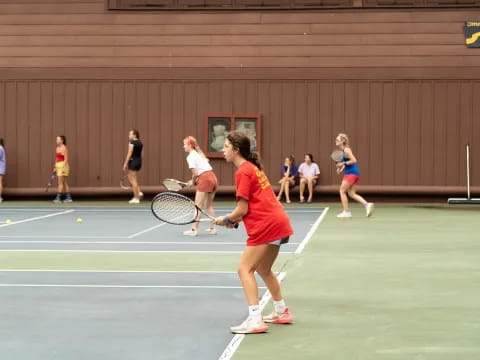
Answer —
51 180
173 185
174 208
124 182
337 155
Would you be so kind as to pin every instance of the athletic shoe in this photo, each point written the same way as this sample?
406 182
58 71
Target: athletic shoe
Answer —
283 318
140 194
57 200
250 326
68 199
191 232
134 201
369 209
344 214
211 231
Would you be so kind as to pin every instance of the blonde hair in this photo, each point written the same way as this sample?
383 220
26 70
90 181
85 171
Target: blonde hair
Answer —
344 139
194 145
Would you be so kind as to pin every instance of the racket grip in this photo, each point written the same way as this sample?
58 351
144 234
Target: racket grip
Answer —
235 226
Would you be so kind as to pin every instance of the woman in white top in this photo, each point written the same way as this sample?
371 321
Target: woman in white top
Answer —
205 179
308 172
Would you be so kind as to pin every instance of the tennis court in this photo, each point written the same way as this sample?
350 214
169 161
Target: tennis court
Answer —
99 306
401 285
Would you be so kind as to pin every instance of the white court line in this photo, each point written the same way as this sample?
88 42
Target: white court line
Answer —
37 218
309 235
129 251
60 237
146 230
127 242
221 210
238 338
122 271
126 286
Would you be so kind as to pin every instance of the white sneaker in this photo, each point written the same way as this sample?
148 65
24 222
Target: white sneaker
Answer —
250 326
211 231
369 209
345 214
134 201
191 232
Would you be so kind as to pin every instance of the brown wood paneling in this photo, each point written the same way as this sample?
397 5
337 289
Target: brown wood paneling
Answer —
34 127
404 133
440 132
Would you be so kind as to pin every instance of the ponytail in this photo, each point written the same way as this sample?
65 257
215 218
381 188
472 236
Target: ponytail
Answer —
194 145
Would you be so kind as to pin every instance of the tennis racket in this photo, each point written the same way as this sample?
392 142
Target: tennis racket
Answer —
337 155
176 209
174 185
124 182
51 180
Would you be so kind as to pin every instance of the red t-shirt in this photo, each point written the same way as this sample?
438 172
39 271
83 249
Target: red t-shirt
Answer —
266 220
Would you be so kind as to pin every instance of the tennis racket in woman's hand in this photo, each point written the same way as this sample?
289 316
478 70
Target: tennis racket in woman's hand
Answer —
174 185
51 180
337 155
176 209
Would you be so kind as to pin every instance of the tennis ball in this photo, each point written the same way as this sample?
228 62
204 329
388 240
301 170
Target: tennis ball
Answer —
8 221
79 220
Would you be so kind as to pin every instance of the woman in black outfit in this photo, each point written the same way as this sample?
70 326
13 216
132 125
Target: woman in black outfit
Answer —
133 162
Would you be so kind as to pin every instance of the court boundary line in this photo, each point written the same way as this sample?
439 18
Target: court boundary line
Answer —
107 286
145 230
121 271
37 218
238 338
312 230
127 242
143 210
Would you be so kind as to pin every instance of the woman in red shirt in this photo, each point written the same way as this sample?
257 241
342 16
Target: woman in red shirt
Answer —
267 225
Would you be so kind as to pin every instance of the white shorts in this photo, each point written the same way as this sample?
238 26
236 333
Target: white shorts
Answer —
280 242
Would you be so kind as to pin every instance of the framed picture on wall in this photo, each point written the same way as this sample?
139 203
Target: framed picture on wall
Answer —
250 125
217 128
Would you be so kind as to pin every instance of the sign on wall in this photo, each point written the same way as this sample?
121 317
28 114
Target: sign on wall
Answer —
472 34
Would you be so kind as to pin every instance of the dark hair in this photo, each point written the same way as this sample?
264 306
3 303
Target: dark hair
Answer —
1 141
310 156
241 142
64 139
291 158
136 133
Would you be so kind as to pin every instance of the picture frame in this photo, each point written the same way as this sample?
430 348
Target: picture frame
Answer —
250 124
217 127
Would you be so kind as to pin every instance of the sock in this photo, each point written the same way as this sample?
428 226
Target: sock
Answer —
254 312
366 204
279 306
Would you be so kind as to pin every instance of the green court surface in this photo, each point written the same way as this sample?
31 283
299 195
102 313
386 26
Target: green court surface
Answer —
404 284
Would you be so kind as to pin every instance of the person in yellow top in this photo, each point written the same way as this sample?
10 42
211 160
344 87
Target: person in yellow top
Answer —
62 169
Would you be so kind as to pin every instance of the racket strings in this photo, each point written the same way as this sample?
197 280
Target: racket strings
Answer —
174 209
172 185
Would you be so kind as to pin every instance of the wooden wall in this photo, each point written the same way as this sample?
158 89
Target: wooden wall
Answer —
401 83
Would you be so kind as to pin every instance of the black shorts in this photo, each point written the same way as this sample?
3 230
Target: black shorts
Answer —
135 164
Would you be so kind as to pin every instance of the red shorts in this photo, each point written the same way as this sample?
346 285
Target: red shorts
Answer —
207 182
351 179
